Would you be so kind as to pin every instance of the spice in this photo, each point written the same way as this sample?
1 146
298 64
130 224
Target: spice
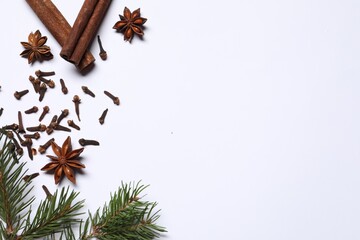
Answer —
35 135
47 192
57 25
63 86
130 23
64 113
85 142
84 29
13 127
73 125
116 100
103 53
46 109
28 143
60 127
50 127
19 95
35 82
28 178
40 73
102 117
21 125
64 161
42 91
1 111
34 109
35 48
87 91
39 128
42 148
77 101
50 83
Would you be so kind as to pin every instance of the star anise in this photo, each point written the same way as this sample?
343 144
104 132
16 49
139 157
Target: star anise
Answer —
130 23
64 161
35 48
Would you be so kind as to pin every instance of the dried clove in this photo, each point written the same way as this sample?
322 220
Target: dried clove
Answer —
28 178
39 128
116 100
50 128
35 135
35 82
102 117
46 109
21 125
1 111
64 113
19 95
40 73
28 143
34 109
42 91
85 142
47 192
103 53
77 101
60 127
13 127
73 125
42 148
63 86
87 91
50 83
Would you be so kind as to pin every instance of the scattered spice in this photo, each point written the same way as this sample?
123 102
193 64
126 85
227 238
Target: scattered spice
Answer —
60 128
35 135
64 161
35 82
116 100
50 127
103 53
35 48
77 101
87 91
73 125
39 128
85 142
42 91
13 127
19 95
1 111
50 83
47 192
28 178
34 109
40 73
42 148
46 109
102 117
63 86
64 113
130 23
21 125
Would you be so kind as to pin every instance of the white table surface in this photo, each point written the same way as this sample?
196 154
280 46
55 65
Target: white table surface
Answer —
243 116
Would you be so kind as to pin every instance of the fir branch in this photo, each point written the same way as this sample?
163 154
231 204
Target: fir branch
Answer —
124 217
13 190
53 214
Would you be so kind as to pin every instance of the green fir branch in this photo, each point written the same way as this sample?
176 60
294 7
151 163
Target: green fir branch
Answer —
124 217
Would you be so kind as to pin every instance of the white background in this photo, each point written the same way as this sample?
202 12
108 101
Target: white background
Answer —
243 116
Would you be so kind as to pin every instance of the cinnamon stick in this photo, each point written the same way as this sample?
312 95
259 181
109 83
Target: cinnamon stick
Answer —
84 29
58 26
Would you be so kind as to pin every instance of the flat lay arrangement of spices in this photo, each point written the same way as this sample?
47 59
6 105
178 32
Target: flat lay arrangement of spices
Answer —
35 140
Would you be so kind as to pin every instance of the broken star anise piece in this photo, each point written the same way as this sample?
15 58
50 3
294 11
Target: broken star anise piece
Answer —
130 23
64 161
35 48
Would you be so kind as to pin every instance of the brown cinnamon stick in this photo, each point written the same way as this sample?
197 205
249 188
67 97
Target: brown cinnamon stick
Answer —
58 26
84 29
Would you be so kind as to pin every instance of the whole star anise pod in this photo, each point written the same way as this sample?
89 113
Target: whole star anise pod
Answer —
35 48
64 161
130 23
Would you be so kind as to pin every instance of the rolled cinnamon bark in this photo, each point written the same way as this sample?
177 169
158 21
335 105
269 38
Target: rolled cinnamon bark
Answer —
84 29
58 26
